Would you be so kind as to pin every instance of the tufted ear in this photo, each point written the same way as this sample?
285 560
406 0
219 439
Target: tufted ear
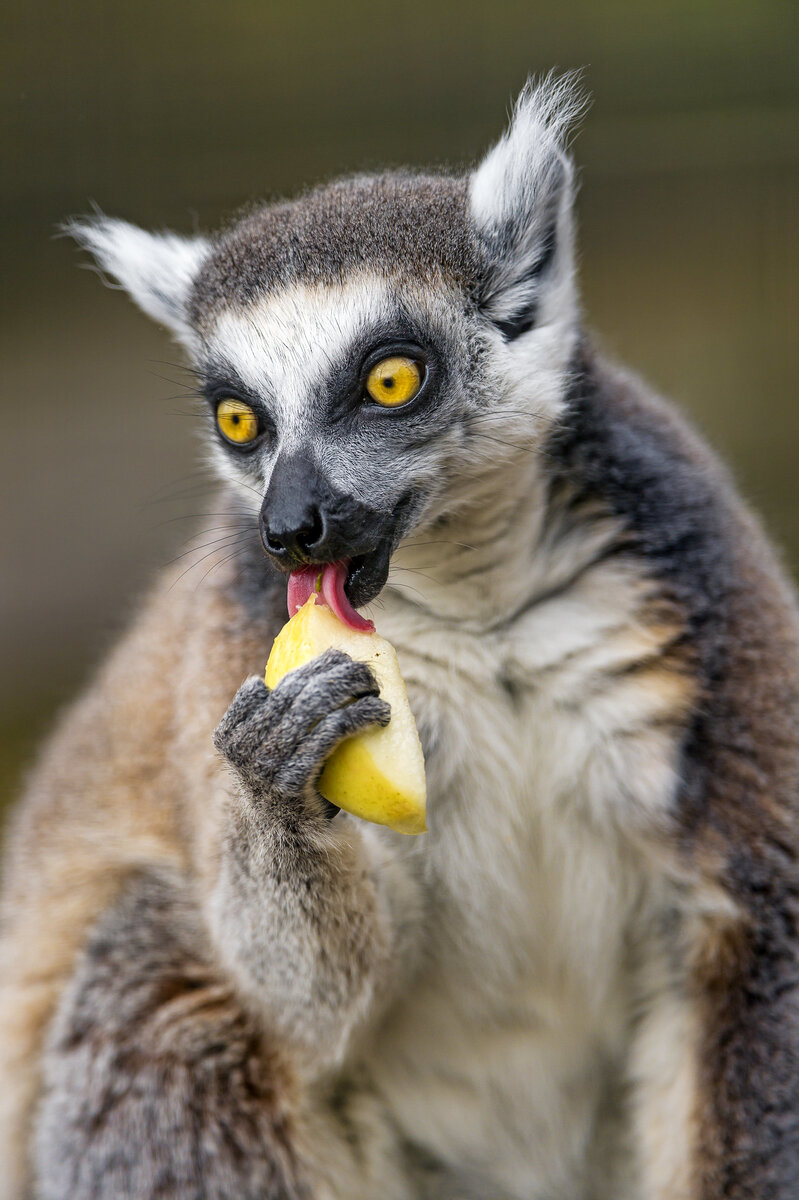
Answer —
521 199
156 269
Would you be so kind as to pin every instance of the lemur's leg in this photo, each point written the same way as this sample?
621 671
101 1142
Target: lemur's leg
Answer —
715 1068
158 1082
302 913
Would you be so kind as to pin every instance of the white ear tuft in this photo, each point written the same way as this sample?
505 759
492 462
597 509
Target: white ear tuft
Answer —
521 198
156 269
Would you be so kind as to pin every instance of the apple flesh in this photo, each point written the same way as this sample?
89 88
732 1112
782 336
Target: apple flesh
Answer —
379 774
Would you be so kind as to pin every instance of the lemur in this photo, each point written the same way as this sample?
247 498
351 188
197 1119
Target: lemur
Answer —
582 982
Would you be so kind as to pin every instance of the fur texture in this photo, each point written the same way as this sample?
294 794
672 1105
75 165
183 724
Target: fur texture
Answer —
582 982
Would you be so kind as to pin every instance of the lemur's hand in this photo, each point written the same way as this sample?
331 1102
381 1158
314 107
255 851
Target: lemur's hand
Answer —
278 741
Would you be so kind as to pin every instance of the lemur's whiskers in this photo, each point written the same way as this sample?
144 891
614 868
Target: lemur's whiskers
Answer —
236 554
222 541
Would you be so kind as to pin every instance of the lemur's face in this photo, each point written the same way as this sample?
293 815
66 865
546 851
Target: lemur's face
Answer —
345 407
373 351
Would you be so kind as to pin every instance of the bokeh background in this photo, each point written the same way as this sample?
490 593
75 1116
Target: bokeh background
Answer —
174 112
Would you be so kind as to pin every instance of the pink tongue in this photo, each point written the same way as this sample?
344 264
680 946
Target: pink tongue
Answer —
302 584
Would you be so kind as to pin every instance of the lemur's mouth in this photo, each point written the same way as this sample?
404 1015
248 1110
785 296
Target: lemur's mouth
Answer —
344 585
347 583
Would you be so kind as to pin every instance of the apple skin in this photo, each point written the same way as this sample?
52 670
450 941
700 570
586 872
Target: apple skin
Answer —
379 774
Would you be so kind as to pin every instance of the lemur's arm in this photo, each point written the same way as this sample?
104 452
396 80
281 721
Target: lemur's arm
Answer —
302 913
301 916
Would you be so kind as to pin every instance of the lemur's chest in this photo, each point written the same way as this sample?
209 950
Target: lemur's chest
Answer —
498 1057
524 866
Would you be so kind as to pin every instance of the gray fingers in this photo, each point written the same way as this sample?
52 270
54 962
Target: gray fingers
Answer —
278 741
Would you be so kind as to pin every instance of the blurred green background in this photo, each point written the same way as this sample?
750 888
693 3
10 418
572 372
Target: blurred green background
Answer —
173 113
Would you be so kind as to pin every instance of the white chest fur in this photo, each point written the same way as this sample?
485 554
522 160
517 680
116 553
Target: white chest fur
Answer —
498 1057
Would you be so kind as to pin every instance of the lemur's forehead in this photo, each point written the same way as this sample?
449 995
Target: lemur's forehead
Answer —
283 345
398 225
291 346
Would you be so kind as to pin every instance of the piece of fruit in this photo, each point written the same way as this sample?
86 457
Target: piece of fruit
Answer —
378 774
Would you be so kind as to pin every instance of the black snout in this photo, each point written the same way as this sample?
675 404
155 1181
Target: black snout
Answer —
293 534
303 520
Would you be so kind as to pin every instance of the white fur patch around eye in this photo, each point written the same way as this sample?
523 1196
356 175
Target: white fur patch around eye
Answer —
283 347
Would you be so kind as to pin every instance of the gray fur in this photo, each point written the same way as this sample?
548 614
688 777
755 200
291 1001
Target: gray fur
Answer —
395 224
157 1081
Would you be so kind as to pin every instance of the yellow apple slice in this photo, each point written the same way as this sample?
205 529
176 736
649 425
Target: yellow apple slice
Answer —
378 774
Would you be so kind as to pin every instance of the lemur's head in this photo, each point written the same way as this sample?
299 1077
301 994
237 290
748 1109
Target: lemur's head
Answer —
371 351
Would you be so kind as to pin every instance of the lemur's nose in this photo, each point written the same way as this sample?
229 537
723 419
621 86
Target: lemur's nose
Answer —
287 539
293 523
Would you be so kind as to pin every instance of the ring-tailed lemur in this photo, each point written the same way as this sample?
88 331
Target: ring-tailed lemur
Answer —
583 981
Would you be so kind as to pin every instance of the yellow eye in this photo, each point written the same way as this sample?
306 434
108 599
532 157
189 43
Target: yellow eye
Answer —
394 381
237 422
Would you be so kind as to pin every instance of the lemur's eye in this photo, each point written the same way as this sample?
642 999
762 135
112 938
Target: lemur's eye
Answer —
394 381
237 422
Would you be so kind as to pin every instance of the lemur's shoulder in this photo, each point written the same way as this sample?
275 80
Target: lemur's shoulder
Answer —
706 553
121 756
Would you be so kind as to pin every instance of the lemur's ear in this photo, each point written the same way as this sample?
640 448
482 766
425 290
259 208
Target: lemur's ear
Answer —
156 269
521 200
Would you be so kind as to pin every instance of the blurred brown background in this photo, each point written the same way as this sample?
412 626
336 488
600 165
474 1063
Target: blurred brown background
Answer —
171 113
